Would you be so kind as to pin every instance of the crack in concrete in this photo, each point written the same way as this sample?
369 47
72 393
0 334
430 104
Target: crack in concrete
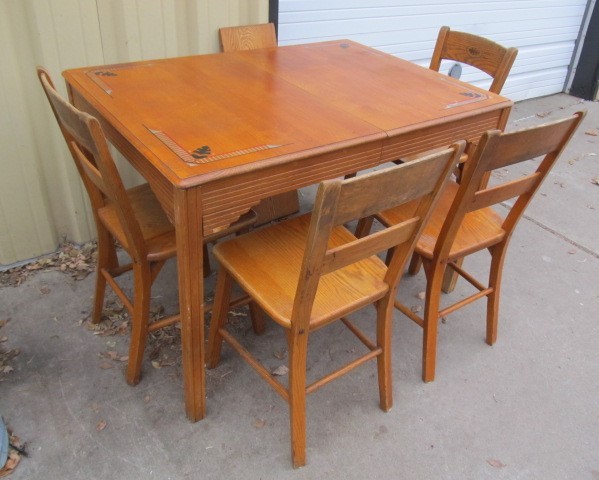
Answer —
555 233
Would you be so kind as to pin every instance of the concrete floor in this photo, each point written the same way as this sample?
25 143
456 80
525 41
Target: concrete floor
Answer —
526 408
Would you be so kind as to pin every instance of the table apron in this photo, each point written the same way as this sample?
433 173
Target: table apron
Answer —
441 135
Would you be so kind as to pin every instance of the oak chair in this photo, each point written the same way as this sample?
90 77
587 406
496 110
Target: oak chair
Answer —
132 217
464 222
247 37
251 37
491 58
309 271
482 53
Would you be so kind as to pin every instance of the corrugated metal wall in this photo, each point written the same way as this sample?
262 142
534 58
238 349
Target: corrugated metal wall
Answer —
544 31
41 197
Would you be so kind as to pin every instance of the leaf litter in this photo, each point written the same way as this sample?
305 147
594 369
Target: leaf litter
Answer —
6 354
78 261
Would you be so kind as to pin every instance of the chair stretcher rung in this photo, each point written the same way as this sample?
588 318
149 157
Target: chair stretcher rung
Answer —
248 357
408 313
163 322
343 370
358 333
117 289
466 276
465 301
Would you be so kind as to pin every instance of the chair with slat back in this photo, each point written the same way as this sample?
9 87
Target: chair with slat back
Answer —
247 37
464 222
310 271
132 217
252 37
487 56
482 53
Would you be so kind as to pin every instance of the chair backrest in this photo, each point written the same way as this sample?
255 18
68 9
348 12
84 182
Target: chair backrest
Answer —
499 150
247 37
340 201
482 53
89 149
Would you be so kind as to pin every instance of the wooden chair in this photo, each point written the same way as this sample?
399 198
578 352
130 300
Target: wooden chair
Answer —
247 37
464 222
132 217
251 37
482 53
485 55
309 271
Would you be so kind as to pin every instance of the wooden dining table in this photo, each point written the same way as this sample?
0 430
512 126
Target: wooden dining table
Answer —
215 134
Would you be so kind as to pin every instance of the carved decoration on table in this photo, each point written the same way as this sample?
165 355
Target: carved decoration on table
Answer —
203 154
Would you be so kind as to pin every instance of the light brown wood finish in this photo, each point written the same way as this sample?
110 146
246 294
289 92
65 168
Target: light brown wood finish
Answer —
273 120
482 53
464 222
132 217
310 271
251 37
490 57
247 37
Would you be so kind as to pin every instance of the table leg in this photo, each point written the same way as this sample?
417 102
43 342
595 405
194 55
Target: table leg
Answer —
188 224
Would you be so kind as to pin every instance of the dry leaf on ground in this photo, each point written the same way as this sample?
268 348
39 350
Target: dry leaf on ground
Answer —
280 371
280 354
495 463
16 450
259 423
77 261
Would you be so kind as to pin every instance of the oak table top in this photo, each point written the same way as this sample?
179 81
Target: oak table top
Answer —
214 134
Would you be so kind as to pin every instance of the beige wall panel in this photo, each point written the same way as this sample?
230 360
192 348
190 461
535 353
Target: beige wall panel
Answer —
61 35
26 227
42 199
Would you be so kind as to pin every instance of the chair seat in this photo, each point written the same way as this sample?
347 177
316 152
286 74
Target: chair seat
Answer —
156 229
480 229
266 263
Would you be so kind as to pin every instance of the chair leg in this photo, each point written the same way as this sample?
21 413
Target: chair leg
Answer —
298 346
107 259
415 264
434 279
257 316
497 258
222 298
206 262
139 323
451 277
364 226
383 335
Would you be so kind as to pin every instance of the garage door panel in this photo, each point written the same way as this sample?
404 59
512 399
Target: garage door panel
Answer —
544 31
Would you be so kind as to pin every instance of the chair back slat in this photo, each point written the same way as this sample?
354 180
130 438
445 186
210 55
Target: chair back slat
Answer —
526 144
89 149
482 53
89 167
372 193
353 252
501 193
339 201
498 150
247 37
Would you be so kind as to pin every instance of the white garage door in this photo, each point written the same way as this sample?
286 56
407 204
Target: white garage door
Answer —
544 31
